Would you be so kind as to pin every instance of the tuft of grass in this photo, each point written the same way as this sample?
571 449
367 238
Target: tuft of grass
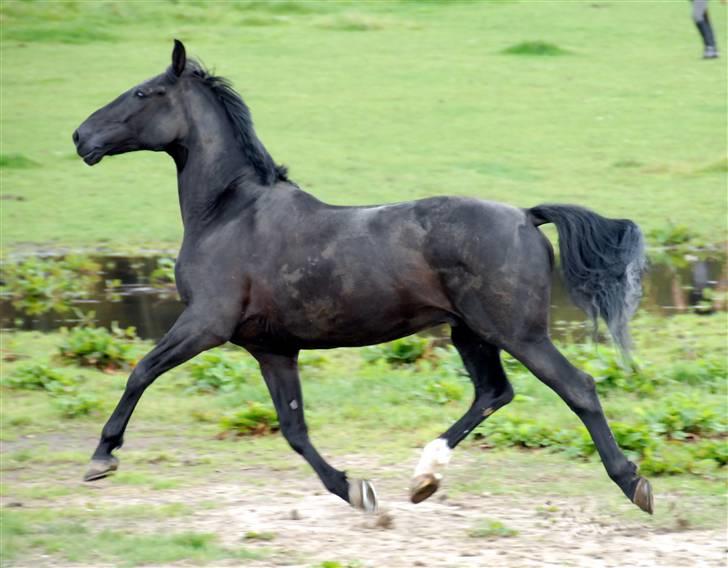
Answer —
539 48
491 529
255 420
253 535
17 161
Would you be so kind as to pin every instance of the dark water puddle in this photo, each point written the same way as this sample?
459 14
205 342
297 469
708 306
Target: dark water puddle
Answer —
124 294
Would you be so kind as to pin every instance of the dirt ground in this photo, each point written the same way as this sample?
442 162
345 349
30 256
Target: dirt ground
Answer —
311 526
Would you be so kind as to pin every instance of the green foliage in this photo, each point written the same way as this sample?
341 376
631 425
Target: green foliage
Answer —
539 48
608 370
662 437
404 351
490 529
67 394
73 402
99 347
705 372
37 376
163 275
671 235
255 420
680 417
216 371
39 285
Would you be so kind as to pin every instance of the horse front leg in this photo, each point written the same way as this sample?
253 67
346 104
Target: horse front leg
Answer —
189 336
281 376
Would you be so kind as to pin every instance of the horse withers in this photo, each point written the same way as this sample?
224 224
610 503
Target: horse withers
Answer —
270 268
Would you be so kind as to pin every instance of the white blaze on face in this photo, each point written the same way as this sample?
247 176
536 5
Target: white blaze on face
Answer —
435 456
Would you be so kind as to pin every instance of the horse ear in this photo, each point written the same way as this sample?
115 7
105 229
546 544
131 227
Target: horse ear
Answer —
179 58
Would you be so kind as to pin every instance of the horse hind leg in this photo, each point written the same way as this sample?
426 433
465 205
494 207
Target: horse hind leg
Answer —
578 390
492 391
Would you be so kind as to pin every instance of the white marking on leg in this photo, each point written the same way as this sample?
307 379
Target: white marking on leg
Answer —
293 404
435 456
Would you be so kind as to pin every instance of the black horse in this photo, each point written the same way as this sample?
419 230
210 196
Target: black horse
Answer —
272 269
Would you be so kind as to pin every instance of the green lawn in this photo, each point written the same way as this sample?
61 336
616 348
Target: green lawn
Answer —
367 413
374 102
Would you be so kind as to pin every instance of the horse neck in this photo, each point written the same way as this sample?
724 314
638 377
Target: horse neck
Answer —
209 159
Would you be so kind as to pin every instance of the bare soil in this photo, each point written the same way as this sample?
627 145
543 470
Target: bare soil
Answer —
309 526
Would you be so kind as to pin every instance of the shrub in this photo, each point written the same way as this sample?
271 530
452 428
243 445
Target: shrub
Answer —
98 347
36 376
255 420
38 285
73 403
403 351
67 396
214 371
680 416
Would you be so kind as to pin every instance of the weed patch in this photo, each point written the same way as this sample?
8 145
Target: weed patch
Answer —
255 420
98 347
491 529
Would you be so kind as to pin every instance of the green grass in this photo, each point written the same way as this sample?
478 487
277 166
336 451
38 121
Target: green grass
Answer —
17 161
535 48
74 541
434 108
170 456
489 529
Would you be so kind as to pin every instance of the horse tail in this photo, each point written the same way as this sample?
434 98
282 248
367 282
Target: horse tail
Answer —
602 261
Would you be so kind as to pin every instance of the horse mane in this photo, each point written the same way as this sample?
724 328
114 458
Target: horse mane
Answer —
237 111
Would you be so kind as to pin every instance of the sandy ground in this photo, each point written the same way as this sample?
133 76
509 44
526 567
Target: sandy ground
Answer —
311 526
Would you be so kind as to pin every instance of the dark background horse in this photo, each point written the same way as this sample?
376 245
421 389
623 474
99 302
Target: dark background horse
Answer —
269 267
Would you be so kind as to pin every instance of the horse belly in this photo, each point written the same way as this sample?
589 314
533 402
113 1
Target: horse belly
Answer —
340 305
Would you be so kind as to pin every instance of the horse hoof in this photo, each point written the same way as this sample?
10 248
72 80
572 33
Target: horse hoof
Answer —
362 495
643 496
423 486
99 469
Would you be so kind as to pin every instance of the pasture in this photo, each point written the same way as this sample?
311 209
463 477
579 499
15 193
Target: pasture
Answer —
604 104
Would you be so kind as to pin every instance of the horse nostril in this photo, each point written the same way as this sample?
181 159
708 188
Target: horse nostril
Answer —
75 137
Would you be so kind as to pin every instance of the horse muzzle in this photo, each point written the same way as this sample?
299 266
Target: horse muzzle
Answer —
90 152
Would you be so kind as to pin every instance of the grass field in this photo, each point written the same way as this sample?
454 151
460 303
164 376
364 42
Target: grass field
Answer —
603 103
179 477
373 102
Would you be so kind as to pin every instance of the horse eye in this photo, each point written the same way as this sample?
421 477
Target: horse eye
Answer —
139 94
